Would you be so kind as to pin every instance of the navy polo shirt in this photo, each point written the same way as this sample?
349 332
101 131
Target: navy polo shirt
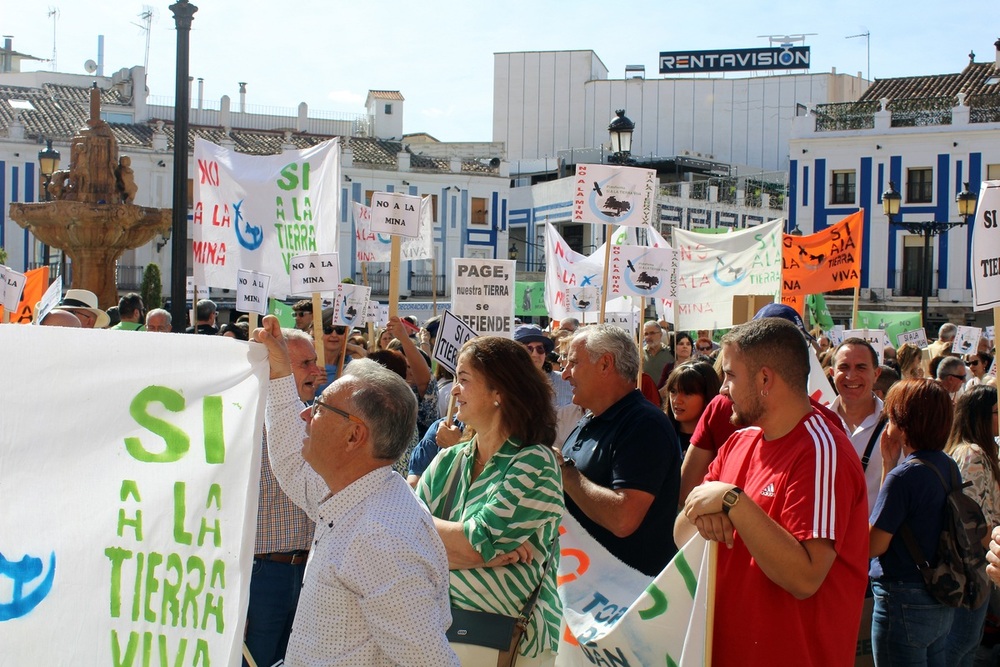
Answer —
631 445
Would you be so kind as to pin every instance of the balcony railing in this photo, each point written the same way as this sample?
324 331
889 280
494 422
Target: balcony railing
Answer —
921 112
984 108
421 284
845 116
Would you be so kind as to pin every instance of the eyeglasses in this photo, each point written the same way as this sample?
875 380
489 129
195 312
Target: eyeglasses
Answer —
704 349
329 330
974 362
317 404
535 348
953 375
301 314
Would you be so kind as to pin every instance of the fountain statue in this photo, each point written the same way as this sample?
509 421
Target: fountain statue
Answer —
92 217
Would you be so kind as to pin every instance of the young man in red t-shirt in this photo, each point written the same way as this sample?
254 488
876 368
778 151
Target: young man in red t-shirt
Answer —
788 498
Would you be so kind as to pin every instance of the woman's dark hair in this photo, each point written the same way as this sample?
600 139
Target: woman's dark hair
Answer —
974 423
922 410
693 377
240 330
678 337
525 393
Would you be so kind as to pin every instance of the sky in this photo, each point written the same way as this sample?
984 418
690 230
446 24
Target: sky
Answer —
439 53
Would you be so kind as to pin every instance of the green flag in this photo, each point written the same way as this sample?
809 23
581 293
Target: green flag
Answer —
893 323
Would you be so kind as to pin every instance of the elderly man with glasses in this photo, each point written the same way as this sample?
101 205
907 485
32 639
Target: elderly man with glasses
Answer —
952 376
375 545
655 355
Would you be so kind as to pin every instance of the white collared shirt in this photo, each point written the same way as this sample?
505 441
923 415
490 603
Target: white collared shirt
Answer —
376 585
859 438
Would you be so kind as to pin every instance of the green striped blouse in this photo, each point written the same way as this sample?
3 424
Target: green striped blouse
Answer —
517 497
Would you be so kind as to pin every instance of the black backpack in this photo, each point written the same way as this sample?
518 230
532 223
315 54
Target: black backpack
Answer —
958 579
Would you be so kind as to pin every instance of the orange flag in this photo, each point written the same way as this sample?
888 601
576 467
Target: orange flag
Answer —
35 284
824 261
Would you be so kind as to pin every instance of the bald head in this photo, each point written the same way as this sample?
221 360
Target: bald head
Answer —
61 318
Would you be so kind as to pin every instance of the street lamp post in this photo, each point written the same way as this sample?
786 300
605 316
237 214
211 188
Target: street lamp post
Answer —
621 129
891 200
48 163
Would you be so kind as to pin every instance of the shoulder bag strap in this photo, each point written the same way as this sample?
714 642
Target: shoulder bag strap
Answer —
453 478
871 443
907 533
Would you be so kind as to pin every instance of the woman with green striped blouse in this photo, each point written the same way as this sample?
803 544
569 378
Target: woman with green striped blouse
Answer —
500 525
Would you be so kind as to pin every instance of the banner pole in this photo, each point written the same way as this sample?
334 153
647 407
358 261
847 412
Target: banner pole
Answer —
318 329
638 340
451 409
343 352
254 320
609 232
713 561
394 277
247 656
854 310
434 283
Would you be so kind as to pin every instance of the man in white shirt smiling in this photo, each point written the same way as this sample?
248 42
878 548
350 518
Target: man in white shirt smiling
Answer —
376 583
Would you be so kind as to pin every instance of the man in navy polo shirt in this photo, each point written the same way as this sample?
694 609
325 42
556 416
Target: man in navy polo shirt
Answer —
621 465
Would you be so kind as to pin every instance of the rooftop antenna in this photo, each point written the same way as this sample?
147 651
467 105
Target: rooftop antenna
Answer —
785 41
868 42
147 26
54 15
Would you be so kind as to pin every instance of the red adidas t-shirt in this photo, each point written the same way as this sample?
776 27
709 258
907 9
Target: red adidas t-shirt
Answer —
714 427
810 482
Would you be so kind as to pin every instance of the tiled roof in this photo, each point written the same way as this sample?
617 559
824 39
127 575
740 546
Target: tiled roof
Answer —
971 81
386 94
60 111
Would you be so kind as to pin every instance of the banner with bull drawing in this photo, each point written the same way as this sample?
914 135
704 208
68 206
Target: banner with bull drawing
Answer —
605 194
825 261
257 212
614 615
129 499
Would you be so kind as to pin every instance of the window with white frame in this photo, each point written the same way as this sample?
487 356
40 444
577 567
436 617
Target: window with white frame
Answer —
843 187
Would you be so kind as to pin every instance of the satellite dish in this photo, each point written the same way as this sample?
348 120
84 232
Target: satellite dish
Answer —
90 66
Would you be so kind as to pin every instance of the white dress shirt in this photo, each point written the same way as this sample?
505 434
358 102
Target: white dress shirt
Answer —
376 584
859 438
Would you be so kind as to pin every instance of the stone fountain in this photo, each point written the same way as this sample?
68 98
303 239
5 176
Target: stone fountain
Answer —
92 217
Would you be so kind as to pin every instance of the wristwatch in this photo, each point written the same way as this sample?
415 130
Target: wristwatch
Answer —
731 498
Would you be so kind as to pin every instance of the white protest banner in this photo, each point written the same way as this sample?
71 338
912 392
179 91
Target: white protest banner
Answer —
258 211
917 337
452 335
396 214
606 194
664 306
189 292
374 314
625 320
51 298
129 513
819 384
837 334
369 246
372 247
640 271
420 247
12 284
251 291
989 333
583 299
350 307
713 268
564 269
614 615
875 337
967 340
483 294
314 274
984 265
